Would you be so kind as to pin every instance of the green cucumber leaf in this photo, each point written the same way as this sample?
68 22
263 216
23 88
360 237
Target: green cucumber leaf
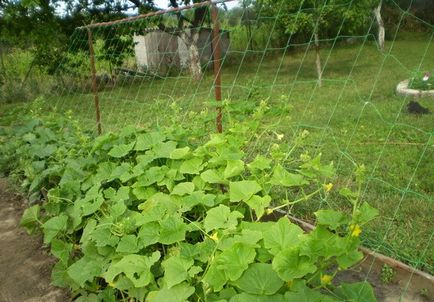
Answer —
176 270
29 220
136 268
85 269
259 204
54 226
184 188
178 293
122 150
259 279
172 230
282 235
233 168
221 217
332 219
235 261
357 292
289 265
243 190
281 177
180 153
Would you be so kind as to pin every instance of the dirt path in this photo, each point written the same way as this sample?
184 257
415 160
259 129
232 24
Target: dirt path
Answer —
25 267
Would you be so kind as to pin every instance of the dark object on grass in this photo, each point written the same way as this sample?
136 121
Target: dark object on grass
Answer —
416 108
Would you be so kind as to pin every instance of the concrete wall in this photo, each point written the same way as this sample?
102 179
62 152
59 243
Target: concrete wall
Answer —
156 51
160 52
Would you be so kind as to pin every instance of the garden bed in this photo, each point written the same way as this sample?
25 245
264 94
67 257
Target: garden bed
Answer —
23 255
127 205
392 280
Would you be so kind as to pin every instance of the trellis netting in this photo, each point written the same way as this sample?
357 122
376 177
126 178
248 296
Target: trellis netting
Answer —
316 66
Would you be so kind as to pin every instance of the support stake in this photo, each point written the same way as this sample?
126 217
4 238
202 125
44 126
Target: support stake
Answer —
94 85
217 52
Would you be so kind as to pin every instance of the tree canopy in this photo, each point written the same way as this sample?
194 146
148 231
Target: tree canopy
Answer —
44 26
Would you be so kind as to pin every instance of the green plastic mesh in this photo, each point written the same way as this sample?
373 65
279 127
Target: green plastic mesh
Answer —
354 118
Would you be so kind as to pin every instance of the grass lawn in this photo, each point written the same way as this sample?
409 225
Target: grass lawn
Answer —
354 118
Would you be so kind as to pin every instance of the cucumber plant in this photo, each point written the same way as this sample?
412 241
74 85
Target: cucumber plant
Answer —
154 216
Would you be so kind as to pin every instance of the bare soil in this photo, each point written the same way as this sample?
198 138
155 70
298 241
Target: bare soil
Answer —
25 265
391 291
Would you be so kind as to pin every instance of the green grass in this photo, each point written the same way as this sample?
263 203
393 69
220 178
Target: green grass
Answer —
354 118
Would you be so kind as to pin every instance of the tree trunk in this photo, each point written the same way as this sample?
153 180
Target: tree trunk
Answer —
190 39
28 73
2 62
318 59
381 30
249 35
195 68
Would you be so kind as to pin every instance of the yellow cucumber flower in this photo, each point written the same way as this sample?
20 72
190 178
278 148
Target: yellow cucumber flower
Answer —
112 284
355 230
214 237
328 187
326 279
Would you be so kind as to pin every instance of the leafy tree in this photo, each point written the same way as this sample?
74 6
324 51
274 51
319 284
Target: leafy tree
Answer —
248 18
118 42
189 31
320 17
32 25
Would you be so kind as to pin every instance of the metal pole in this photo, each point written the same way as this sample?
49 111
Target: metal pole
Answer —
94 85
217 51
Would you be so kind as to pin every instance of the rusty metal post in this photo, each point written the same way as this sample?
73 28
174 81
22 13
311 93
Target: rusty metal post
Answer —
157 13
94 85
217 52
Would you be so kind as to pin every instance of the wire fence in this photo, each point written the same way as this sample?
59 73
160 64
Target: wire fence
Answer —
322 71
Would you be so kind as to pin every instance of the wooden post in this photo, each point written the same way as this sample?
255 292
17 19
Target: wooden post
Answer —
94 85
217 54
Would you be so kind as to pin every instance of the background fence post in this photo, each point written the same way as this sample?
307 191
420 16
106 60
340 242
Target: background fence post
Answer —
94 85
217 52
